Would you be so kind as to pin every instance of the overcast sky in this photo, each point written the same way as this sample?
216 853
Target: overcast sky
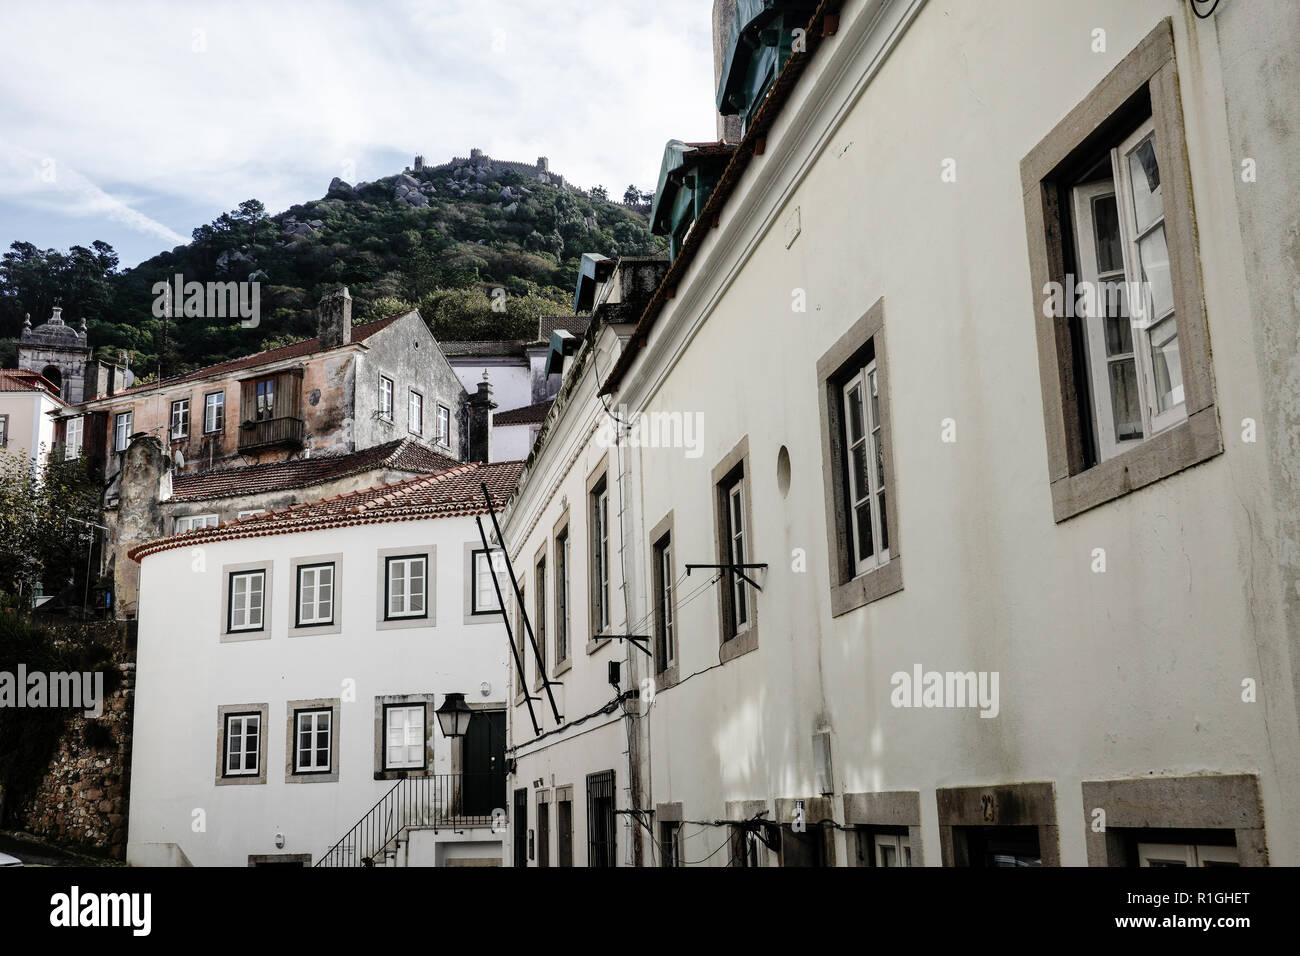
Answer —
135 122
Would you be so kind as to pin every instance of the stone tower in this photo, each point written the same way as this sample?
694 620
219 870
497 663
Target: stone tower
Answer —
59 352
724 12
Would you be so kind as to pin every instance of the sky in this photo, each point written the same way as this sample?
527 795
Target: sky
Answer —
135 122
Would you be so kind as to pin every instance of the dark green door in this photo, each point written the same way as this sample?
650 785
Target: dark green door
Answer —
483 761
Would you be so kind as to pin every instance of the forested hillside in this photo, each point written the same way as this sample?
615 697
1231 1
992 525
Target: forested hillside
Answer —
440 239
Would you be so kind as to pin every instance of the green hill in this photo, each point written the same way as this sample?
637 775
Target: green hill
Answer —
442 239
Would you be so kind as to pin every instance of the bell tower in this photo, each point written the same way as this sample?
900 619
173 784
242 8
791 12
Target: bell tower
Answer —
57 351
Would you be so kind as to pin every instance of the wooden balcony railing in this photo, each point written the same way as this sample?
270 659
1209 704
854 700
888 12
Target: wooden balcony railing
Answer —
270 431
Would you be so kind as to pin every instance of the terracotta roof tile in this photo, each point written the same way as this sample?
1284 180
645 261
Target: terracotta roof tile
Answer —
528 415
451 493
25 380
403 454
492 347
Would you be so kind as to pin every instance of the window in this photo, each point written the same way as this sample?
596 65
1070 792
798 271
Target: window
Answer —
406 586
521 827
444 425
191 522
887 849
72 437
4 431
1007 825
599 523
415 413
484 591
214 412
665 605
600 819
243 745
312 741
265 407
180 418
315 595
1186 854
246 601
562 596
122 429
385 397
539 618
404 745
861 506
670 847
251 512
734 552
543 833
1123 345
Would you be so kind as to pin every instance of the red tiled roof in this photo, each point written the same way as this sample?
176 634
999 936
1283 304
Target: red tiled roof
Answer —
294 350
448 494
402 454
493 347
528 415
25 380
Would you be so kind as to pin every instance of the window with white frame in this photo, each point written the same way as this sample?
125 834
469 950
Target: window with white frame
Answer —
406 586
74 433
4 431
251 512
243 738
891 849
191 522
122 430
539 618
264 409
1186 855
562 595
315 594
483 590
1135 377
864 469
214 412
735 546
311 752
385 397
665 608
415 413
180 427
598 520
404 744
444 425
247 599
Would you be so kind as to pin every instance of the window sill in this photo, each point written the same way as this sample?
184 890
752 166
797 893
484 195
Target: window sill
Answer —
231 637
564 666
596 643
402 774
739 645
867 588
666 678
1188 443
311 778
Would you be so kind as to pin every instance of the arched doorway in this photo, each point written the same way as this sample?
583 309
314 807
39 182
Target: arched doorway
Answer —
53 373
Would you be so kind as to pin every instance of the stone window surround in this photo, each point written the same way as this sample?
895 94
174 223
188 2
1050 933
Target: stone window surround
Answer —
815 810
292 708
420 430
594 477
1203 802
381 736
335 626
1148 70
731 647
228 710
670 675
848 590
561 526
1000 805
888 808
539 622
470 615
430 618
264 632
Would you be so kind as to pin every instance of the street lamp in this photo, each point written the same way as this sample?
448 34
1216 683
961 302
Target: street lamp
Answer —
453 716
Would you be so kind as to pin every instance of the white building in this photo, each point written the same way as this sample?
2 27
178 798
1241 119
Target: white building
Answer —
27 402
1088 655
289 666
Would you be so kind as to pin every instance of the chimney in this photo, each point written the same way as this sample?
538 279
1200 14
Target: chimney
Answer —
724 12
334 319
480 422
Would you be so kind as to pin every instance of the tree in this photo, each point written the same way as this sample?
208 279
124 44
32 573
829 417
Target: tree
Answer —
631 196
600 192
44 520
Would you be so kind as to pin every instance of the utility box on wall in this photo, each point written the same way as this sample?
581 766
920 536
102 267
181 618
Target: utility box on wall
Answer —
825 780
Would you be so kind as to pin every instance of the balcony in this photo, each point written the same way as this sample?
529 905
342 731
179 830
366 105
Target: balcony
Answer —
269 432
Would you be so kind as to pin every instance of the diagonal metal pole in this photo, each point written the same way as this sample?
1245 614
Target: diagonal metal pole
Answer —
523 612
519 663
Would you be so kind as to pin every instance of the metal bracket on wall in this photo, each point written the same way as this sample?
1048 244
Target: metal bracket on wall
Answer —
736 569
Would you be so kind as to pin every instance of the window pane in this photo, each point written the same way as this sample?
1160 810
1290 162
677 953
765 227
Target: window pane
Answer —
861 487
1105 221
1124 399
1155 271
1167 364
1148 204
855 414
884 522
865 547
